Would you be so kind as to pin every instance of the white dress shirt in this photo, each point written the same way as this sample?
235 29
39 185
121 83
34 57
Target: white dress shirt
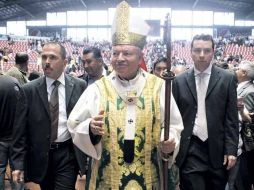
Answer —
206 80
63 133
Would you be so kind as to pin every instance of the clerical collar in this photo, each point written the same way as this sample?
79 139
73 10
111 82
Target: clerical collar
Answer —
130 90
129 82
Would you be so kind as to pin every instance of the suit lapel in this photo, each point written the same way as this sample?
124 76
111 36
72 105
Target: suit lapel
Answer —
69 85
42 91
191 83
214 78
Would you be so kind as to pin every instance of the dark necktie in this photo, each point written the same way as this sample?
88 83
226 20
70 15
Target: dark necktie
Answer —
54 110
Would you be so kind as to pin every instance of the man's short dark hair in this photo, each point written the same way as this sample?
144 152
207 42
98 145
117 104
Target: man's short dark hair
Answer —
62 48
34 75
21 58
163 59
223 65
204 37
96 52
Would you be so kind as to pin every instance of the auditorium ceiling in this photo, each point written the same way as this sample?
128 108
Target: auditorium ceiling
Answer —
36 9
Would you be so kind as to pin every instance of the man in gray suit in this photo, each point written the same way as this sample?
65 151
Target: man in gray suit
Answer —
245 89
245 92
206 97
42 147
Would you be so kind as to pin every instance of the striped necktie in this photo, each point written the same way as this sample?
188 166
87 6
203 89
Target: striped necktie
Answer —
54 110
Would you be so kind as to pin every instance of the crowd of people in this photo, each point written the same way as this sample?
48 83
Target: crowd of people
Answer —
109 122
228 49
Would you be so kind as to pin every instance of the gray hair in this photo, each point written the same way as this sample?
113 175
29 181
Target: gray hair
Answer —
248 66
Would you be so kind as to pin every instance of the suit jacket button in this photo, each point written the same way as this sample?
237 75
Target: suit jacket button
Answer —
47 136
188 138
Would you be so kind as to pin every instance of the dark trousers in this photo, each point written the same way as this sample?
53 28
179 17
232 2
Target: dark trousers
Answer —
62 169
197 173
245 177
5 150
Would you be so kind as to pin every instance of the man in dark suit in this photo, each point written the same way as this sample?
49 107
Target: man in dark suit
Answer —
42 146
93 64
206 97
10 94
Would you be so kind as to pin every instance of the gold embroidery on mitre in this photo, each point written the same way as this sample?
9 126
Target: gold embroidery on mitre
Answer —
129 39
122 34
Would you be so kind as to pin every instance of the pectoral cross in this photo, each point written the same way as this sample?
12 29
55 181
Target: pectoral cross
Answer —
130 100
130 121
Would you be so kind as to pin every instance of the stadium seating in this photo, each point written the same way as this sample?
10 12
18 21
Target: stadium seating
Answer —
183 52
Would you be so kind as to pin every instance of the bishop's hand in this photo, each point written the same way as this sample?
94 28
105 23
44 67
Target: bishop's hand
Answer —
96 124
168 146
